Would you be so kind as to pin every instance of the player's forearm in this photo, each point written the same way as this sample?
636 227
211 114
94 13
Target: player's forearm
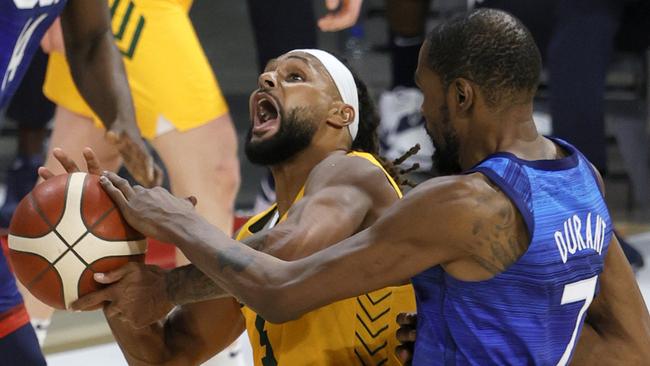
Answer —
98 72
279 290
254 278
188 284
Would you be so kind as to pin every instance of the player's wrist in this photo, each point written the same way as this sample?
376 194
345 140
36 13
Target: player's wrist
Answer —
187 231
124 126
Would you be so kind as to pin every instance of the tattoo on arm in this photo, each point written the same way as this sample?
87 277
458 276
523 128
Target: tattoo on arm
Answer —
234 258
503 239
487 265
188 284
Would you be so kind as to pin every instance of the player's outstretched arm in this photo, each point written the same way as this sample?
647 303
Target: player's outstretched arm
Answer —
617 326
334 207
98 72
413 235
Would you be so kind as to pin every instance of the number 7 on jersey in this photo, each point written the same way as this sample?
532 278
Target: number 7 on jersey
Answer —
583 290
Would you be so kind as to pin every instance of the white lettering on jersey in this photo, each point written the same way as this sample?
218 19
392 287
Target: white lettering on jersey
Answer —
570 240
19 49
31 4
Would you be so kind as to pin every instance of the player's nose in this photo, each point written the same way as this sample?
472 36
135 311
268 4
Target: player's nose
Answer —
266 80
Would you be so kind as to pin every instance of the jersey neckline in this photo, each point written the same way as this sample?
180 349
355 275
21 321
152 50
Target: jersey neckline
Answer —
567 162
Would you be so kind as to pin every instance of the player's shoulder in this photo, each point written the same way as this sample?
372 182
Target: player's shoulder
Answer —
456 187
457 197
344 169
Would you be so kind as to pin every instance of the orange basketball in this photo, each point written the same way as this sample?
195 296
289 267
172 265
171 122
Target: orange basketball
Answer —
65 230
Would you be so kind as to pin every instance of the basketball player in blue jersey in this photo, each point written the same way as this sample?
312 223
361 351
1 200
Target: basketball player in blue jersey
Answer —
98 73
511 255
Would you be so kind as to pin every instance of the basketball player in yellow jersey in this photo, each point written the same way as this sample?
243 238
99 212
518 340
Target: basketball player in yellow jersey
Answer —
329 187
179 108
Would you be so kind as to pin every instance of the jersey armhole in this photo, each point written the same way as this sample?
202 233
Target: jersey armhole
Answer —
596 175
511 194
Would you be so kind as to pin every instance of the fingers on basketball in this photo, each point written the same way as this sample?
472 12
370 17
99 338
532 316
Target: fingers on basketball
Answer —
66 162
66 230
92 163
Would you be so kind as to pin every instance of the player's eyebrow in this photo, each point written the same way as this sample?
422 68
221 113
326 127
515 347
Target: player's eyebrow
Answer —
303 59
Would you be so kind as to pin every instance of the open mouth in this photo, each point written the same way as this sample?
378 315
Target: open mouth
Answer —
266 114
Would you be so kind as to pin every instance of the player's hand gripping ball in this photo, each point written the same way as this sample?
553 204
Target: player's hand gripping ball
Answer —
65 230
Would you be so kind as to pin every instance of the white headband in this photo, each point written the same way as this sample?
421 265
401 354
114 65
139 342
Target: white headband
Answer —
344 81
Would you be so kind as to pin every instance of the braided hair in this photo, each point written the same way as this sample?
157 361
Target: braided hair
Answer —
367 139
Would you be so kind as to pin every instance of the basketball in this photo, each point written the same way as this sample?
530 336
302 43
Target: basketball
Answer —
63 231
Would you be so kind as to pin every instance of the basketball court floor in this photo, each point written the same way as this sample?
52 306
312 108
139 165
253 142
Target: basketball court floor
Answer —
107 354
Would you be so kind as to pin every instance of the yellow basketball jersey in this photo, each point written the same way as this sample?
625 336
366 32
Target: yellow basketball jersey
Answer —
355 331
170 78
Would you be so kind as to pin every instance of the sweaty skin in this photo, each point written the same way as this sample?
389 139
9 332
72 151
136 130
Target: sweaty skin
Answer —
342 195
463 223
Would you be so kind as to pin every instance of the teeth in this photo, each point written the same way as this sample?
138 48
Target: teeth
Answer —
263 114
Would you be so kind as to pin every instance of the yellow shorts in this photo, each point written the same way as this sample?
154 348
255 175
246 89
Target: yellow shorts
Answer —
171 81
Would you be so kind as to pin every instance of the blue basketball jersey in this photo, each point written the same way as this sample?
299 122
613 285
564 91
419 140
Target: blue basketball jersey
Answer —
22 25
532 313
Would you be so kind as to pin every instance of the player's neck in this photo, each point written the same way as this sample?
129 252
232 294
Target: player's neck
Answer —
291 176
512 130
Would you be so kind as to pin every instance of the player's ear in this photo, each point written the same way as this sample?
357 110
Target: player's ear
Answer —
340 115
462 95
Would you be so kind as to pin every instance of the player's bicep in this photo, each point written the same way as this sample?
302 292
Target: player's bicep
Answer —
320 220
